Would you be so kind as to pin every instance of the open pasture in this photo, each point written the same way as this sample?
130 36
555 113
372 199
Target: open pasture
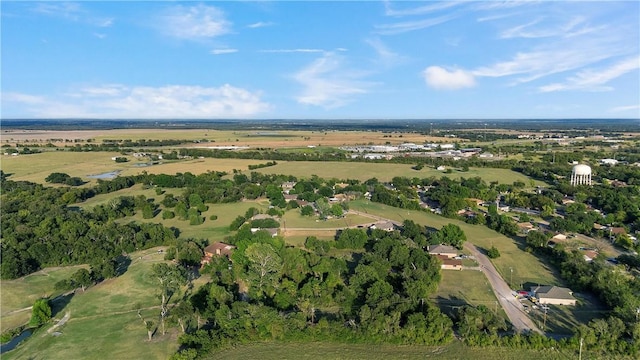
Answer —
211 137
385 172
36 167
334 351
19 294
105 316
466 287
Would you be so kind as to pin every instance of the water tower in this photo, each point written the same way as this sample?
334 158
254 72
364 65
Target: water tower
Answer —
581 175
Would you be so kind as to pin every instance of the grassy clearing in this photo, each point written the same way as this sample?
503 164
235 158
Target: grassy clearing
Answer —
293 219
23 292
565 319
327 351
526 267
105 316
36 167
214 230
459 288
386 172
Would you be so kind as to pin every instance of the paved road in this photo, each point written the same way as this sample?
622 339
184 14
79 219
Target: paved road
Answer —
511 305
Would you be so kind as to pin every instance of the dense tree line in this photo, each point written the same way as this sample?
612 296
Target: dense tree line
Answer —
295 294
39 230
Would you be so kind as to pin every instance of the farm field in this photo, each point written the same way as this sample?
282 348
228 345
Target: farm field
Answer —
105 316
36 167
385 172
333 351
210 137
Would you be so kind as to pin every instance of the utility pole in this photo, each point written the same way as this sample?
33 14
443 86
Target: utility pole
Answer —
511 281
544 322
580 353
496 308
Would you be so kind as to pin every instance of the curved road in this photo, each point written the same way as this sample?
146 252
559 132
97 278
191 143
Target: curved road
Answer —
511 305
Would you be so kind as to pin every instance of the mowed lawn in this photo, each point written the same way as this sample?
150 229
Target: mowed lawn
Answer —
466 287
104 323
334 351
526 267
21 293
385 172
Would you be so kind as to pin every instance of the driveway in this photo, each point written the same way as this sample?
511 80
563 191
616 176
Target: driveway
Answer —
512 307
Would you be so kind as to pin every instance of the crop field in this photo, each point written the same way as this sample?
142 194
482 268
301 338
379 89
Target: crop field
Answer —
105 316
385 172
209 137
36 167
334 351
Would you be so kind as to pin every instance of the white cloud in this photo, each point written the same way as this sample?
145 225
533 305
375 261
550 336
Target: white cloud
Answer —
286 51
593 80
223 51
574 27
72 12
259 24
425 9
635 108
385 55
442 79
195 22
407 26
326 83
120 101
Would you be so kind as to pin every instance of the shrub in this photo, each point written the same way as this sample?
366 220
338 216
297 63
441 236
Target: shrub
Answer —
493 253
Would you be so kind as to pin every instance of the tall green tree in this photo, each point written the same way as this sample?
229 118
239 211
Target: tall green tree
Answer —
40 313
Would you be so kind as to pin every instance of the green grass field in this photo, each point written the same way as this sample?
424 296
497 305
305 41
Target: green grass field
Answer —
385 172
293 219
23 292
458 288
103 320
333 351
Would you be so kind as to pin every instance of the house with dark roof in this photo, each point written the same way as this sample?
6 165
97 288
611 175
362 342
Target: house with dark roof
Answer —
553 295
383 225
444 250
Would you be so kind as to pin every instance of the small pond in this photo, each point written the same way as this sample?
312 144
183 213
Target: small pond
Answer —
8 346
107 175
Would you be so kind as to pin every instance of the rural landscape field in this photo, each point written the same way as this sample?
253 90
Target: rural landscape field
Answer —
319 179
342 192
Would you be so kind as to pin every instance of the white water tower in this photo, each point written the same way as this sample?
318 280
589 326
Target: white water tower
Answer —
581 175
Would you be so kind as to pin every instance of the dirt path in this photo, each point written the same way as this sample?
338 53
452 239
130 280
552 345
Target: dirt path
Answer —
62 321
512 307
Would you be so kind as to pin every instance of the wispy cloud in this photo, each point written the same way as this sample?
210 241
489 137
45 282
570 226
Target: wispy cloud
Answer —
407 26
421 10
286 51
121 101
635 108
551 59
194 22
223 51
327 83
443 79
595 80
385 56
260 24
72 12
574 27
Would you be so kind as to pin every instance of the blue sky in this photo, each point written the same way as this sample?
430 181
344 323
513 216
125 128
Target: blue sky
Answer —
284 59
